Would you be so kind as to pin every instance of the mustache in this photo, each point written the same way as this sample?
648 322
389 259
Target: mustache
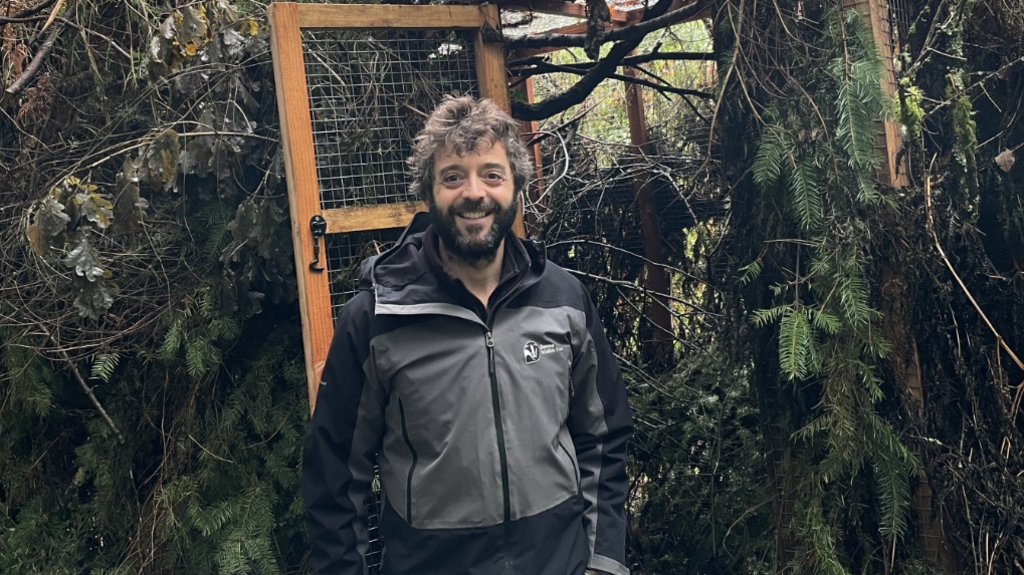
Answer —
474 205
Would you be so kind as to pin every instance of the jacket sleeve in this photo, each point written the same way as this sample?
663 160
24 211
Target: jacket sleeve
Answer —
601 423
340 447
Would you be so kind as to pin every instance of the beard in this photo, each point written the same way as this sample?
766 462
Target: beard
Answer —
475 246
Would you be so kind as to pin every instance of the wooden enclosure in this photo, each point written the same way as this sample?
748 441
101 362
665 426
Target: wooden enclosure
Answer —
354 84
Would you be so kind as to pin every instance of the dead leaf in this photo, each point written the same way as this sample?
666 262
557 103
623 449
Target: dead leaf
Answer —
36 241
1005 160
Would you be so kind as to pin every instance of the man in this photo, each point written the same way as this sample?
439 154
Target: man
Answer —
477 375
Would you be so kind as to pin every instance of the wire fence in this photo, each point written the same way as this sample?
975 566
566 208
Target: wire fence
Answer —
369 94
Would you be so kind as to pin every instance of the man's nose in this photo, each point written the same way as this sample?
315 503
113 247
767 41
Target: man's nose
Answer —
474 188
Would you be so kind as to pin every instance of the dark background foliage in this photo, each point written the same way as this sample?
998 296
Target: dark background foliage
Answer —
152 392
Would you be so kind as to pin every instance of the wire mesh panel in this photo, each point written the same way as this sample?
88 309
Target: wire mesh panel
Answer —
369 93
345 253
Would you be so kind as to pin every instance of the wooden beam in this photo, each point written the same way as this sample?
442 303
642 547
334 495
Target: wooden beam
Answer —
356 16
559 8
363 218
659 349
303 190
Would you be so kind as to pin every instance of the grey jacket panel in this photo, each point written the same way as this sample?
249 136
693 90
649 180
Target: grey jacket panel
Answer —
445 389
533 347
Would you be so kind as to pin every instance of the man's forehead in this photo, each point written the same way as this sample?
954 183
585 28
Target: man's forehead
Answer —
448 155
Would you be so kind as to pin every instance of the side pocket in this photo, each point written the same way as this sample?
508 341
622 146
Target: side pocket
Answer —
412 466
572 460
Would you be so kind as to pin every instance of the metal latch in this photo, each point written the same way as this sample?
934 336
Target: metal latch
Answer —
318 226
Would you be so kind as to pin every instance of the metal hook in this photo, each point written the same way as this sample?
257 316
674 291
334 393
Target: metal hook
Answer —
318 226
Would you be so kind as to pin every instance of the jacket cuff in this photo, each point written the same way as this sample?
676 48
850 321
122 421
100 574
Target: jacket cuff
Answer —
606 565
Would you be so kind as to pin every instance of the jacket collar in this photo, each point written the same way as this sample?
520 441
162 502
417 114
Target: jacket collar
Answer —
409 278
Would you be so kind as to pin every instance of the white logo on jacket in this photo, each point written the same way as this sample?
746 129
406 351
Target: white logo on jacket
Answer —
532 350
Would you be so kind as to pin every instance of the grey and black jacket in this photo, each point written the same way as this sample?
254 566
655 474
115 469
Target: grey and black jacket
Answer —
500 434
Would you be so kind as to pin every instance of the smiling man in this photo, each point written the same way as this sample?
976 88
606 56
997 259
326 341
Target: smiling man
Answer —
477 376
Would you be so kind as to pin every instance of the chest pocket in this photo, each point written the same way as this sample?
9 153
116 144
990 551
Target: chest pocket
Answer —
535 346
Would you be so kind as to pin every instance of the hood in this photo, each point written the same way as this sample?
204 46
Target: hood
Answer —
403 275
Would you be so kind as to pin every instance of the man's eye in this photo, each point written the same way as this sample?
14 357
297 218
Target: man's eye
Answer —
494 177
450 179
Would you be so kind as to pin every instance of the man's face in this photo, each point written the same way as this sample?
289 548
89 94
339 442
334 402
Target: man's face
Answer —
474 202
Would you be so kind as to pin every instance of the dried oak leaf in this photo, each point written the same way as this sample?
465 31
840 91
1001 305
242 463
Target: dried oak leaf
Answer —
48 221
161 163
1005 160
93 299
94 207
84 259
129 205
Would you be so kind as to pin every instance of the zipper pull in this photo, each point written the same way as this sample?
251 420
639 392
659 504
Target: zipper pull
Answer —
490 340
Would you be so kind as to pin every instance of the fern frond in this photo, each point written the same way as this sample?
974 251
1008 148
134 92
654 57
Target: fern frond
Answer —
794 345
751 271
105 365
771 157
804 195
763 317
172 341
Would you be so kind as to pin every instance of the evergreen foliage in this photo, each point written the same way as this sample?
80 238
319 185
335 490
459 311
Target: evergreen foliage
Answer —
146 255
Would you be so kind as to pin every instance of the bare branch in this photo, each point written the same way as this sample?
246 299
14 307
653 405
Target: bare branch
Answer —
606 66
37 62
549 68
27 12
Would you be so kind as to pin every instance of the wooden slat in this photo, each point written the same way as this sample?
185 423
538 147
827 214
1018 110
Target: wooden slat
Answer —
490 61
559 8
303 191
379 217
314 16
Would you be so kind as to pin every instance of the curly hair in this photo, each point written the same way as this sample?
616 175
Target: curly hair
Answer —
461 125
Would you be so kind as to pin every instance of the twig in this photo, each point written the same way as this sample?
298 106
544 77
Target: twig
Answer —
632 286
37 62
548 68
53 15
27 12
1001 343
85 387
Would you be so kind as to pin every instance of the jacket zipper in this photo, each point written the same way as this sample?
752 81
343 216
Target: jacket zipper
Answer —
499 428
412 468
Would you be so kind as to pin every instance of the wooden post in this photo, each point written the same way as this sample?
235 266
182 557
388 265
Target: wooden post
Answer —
491 74
906 364
303 190
890 139
659 350
536 191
